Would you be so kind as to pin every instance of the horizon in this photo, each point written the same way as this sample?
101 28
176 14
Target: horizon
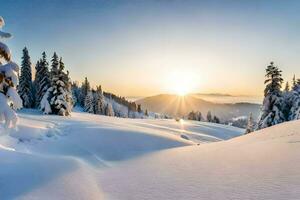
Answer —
218 98
135 48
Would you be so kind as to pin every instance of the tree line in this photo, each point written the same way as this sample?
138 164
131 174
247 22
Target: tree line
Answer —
197 116
52 91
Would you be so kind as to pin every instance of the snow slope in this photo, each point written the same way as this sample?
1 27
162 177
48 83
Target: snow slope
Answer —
263 165
98 157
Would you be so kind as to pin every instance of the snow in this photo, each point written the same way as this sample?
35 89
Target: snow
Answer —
262 165
3 34
14 98
2 23
6 112
5 51
90 156
45 106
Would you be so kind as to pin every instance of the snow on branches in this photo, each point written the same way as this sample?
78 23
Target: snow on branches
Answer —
9 98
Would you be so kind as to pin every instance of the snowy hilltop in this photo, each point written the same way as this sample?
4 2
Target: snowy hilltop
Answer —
98 157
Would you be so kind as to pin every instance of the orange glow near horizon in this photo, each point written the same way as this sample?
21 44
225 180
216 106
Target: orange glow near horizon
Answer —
180 83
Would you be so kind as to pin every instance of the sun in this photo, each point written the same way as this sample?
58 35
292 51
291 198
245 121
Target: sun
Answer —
181 90
180 82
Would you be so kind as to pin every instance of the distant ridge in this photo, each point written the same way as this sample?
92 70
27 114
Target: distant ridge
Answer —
212 94
178 106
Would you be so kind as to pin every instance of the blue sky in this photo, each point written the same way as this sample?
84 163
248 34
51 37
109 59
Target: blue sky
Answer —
147 47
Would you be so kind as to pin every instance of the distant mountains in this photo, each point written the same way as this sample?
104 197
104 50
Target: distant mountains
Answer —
178 106
212 94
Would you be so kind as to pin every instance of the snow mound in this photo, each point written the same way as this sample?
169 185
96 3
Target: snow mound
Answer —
262 165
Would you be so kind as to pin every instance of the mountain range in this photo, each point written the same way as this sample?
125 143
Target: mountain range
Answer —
178 106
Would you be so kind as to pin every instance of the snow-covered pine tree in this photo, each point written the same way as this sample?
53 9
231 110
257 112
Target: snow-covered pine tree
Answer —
250 124
89 102
75 92
85 88
109 111
42 79
8 83
25 88
294 101
99 101
287 87
59 94
288 98
272 108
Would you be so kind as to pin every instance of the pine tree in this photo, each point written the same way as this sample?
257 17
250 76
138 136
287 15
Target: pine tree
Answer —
287 87
25 88
191 116
250 124
99 101
294 101
146 113
59 94
75 92
209 116
139 108
216 120
8 83
109 111
294 82
272 108
42 79
89 102
85 88
198 116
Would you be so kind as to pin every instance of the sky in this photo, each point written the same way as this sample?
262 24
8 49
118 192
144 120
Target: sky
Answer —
142 48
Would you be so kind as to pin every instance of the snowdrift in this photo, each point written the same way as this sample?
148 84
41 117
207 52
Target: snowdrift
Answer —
262 165
97 157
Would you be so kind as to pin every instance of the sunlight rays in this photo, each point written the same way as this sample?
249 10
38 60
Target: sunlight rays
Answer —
181 82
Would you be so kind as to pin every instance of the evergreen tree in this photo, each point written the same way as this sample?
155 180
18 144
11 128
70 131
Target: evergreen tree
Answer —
272 108
294 101
85 88
59 94
209 116
25 88
250 124
195 116
109 111
54 66
216 120
198 116
294 82
139 108
75 92
192 115
146 113
99 101
89 102
42 79
8 83
287 87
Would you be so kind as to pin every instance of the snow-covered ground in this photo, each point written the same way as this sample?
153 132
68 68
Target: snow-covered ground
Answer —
97 157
